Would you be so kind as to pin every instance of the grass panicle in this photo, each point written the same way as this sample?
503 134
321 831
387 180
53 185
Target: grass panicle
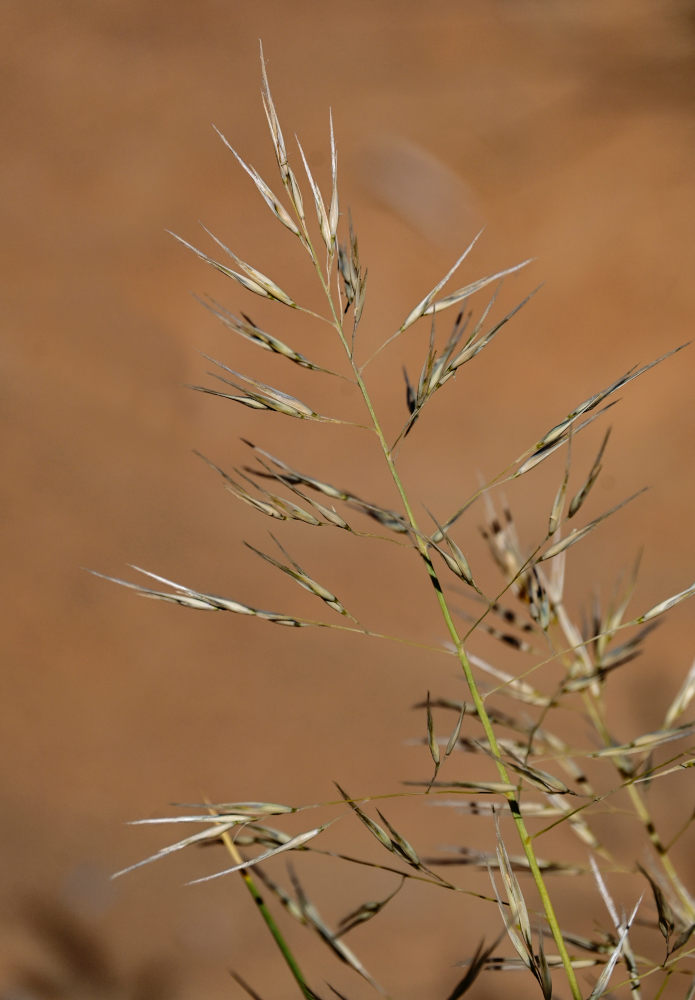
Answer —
529 661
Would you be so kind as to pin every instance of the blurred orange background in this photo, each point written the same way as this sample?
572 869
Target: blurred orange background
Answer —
566 130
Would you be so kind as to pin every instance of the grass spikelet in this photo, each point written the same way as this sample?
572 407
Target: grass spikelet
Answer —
580 533
374 828
252 280
345 954
247 329
663 606
682 699
321 213
581 495
273 203
296 572
366 911
293 844
266 397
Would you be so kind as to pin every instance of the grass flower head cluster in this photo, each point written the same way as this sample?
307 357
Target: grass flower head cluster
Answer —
532 779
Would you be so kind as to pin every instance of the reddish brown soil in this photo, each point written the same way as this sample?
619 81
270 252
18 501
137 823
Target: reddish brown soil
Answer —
567 130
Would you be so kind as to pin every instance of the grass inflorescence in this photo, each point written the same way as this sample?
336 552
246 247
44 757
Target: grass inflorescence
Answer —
530 769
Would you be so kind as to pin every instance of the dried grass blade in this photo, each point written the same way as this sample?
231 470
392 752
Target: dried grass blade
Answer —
286 172
454 738
519 862
513 686
431 738
629 376
244 985
543 780
560 430
542 969
264 287
321 214
603 980
421 308
559 501
475 967
514 893
509 921
456 561
229 817
410 394
667 919
506 637
537 965
542 451
290 475
273 121
482 787
186 597
605 895
475 347
288 510
253 402
546 782
349 267
646 742
274 291
401 846
195 599
579 826
333 212
361 281
614 617
268 507
250 809
663 606
302 578
212 833
344 953
246 328
373 827
273 203
284 897
682 699
366 911
467 290
626 651
341 996
581 495
388 518
580 533
251 286
259 401
328 513
295 843
266 397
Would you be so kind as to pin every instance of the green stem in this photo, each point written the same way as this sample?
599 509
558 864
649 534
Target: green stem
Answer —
269 920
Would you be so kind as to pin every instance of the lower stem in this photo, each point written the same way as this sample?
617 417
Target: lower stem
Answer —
269 920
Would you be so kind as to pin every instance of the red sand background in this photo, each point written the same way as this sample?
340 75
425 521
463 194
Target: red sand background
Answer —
567 130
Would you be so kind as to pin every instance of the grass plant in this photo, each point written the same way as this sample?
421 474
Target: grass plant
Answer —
532 779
